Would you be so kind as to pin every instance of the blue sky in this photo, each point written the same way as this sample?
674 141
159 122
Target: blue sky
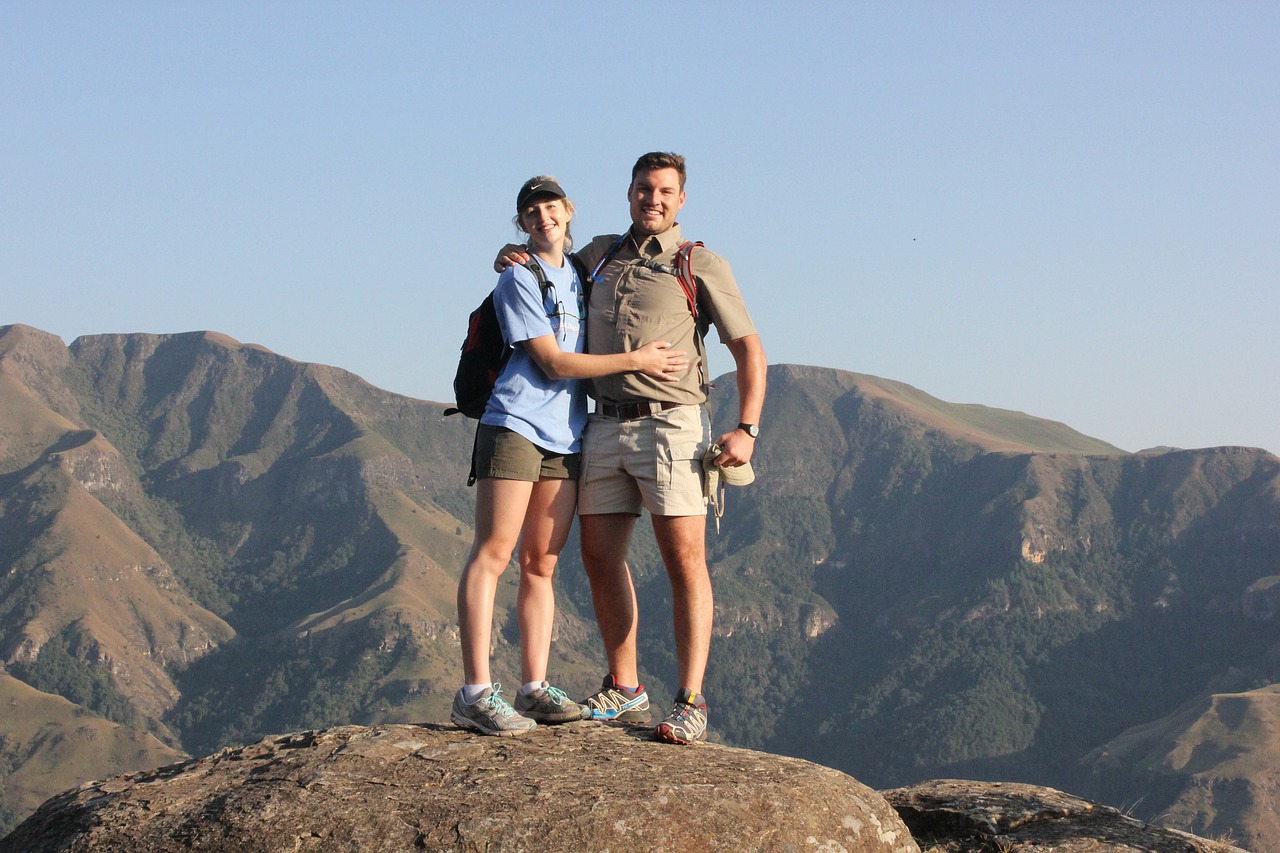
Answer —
1070 209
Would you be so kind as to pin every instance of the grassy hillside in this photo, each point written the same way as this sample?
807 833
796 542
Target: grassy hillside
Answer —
49 744
1210 767
318 517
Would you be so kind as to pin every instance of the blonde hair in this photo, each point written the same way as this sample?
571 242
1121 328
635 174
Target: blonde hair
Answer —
568 205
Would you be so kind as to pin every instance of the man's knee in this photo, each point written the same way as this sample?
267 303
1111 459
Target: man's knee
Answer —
681 538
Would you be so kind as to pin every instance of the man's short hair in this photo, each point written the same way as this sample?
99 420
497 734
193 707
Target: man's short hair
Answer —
659 160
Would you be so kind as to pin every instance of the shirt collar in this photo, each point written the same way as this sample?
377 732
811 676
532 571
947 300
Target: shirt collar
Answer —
658 244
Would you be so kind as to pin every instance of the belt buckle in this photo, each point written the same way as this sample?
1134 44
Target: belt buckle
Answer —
626 411
634 410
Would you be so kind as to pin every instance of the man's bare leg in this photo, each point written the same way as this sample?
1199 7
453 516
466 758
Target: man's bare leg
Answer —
683 544
604 555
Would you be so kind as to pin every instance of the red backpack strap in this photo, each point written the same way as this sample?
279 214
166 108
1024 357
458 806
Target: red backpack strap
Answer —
684 272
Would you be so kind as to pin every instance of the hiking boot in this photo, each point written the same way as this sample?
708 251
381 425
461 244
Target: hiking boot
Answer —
490 715
550 704
612 702
687 721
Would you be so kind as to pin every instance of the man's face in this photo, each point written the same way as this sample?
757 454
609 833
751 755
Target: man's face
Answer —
655 198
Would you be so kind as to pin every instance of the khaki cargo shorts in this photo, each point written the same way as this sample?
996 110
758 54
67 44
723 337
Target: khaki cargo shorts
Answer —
508 455
653 462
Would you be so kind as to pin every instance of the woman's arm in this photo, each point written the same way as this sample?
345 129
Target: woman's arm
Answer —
656 359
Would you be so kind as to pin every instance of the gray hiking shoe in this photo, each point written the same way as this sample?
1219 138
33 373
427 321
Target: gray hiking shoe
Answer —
612 702
550 704
490 714
687 722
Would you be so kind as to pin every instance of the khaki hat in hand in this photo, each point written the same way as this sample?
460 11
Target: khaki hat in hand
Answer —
717 476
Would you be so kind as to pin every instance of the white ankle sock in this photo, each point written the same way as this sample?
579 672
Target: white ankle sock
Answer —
471 692
530 686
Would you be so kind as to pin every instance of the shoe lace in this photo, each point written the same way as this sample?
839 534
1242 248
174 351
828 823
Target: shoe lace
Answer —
494 703
557 696
606 699
683 711
612 697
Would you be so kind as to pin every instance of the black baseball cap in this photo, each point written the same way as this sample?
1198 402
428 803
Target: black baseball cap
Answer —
537 186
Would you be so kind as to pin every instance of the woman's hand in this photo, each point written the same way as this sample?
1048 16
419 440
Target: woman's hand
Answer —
658 360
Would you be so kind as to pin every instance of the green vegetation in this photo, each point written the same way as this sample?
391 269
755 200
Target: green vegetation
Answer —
8 817
752 675
254 689
58 671
197 560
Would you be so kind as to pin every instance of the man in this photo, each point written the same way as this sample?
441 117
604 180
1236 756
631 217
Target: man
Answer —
645 442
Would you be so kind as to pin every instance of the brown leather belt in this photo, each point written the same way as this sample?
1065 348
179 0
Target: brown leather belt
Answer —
633 409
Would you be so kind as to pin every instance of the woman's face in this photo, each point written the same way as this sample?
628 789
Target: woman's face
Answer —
546 222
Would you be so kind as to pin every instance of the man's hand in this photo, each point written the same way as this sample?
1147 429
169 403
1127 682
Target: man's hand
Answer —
511 254
736 448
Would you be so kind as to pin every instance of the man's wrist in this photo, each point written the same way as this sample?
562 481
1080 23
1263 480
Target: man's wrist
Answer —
752 430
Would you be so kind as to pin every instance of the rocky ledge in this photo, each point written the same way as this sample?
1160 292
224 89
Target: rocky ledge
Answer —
958 816
578 787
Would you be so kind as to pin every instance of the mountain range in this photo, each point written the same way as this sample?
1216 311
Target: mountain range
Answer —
203 542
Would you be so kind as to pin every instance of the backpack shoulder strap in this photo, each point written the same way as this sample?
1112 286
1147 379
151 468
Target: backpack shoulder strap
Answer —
689 284
684 272
536 268
683 269
580 268
584 279
608 256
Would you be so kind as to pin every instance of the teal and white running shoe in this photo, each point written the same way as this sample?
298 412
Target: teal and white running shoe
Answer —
549 704
490 714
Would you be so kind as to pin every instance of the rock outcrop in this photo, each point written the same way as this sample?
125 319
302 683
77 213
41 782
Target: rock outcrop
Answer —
432 787
564 788
984 817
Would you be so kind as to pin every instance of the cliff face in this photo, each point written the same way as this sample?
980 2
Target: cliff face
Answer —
999 598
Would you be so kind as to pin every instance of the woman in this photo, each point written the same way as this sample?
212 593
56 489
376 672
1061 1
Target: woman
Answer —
527 457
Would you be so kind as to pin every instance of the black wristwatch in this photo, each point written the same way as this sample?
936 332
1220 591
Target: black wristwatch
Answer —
752 430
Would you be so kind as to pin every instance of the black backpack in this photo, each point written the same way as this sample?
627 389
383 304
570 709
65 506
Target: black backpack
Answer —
484 354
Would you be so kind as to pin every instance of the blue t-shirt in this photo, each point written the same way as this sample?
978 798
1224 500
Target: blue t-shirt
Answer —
551 413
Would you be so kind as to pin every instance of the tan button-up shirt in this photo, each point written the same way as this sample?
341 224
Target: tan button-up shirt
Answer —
633 305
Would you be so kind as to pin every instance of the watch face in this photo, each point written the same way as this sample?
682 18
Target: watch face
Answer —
750 429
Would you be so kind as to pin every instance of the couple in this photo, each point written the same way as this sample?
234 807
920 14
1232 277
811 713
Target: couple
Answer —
644 448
